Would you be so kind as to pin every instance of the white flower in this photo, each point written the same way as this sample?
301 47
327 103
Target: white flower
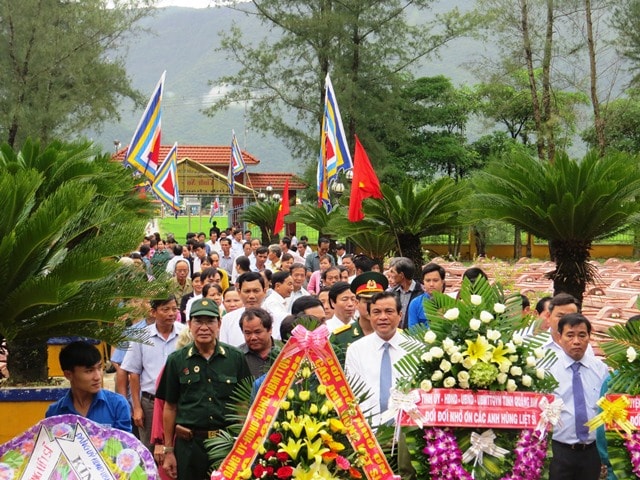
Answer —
493 334
452 314
449 382
430 336
426 385
437 376
476 300
437 352
511 346
631 354
468 363
463 384
504 366
511 385
513 358
515 371
427 357
499 308
527 380
531 361
517 339
540 373
445 366
463 376
474 324
539 352
456 357
485 316
502 378
448 344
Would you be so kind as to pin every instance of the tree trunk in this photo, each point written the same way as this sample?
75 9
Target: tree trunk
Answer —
593 71
480 238
573 270
410 246
528 57
27 361
547 108
517 243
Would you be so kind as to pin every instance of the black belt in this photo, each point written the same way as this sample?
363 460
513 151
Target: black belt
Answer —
148 396
575 446
204 434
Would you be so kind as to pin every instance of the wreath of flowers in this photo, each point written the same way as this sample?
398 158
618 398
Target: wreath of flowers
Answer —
622 356
480 342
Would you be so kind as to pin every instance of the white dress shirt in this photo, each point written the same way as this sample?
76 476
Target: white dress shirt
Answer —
362 364
592 372
334 322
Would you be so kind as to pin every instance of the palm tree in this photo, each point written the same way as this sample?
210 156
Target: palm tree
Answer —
408 215
569 203
262 214
314 217
67 211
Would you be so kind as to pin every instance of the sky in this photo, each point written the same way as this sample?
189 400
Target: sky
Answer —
188 3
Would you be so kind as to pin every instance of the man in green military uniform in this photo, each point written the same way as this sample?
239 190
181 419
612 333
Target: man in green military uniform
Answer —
364 286
196 385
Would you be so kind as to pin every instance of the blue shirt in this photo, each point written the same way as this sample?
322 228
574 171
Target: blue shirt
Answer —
416 313
107 408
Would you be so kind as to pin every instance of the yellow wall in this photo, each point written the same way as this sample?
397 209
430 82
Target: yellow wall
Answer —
17 417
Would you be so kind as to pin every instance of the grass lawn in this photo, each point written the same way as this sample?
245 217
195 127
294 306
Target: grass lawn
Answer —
180 226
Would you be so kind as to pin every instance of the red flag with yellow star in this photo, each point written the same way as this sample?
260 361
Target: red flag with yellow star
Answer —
365 183
283 210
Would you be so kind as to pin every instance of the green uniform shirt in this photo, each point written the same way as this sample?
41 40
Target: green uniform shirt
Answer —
344 336
201 388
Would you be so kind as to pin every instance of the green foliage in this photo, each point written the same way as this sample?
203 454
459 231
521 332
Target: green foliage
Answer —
568 203
625 19
262 214
67 213
314 217
367 47
406 215
622 124
626 368
55 74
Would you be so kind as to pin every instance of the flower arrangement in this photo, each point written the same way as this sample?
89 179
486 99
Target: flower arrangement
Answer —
476 342
308 441
621 352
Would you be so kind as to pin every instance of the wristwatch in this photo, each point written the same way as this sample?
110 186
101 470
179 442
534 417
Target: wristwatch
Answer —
167 449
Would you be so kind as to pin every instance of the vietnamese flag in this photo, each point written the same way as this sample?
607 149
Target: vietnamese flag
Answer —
283 209
365 183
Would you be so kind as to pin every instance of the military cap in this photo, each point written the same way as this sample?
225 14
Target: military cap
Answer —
205 307
368 283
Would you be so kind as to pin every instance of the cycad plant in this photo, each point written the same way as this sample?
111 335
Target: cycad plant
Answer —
569 203
67 213
408 215
263 215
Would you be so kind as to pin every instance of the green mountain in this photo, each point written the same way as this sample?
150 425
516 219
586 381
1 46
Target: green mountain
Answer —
184 42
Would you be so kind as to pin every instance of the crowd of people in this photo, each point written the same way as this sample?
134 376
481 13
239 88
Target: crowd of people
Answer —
232 304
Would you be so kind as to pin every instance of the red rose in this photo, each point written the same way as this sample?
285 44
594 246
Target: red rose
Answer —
269 454
354 473
275 438
282 456
270 470
258 471
285 472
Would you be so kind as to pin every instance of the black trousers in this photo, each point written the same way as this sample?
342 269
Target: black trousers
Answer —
574 463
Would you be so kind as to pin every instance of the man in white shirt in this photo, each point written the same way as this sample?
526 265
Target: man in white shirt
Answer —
237 243
298 276
371 359
144 363
213 245
277 303
285 246
344 304
580 377
253 290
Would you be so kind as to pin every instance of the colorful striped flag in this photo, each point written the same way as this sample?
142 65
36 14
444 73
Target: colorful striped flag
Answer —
165 185
144 149
236 165
334 150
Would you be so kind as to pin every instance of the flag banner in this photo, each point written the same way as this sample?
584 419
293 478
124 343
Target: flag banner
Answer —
236 165
283 210
165 185
144 149
365 183
334 150
215 208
